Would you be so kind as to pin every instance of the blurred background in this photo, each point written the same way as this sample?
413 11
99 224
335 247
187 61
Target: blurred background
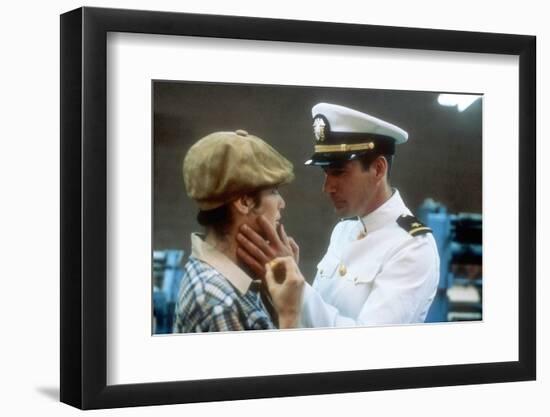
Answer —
438 173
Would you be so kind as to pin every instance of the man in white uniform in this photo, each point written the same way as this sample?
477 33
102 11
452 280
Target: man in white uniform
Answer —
382 265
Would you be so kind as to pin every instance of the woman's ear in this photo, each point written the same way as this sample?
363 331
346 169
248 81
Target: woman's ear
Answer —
243 205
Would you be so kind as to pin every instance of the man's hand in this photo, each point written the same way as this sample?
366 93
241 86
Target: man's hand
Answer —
255 251
285 284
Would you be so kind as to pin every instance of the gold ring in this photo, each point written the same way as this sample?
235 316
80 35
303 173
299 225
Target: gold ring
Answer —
272 263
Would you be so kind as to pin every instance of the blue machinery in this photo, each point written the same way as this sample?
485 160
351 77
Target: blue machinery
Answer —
459 242
167 275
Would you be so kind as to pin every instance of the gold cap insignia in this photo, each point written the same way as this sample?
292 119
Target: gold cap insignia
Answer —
319 127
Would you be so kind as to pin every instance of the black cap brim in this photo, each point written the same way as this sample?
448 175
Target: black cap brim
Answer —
327 159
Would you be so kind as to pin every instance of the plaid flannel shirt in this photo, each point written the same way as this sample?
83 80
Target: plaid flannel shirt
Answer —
212 301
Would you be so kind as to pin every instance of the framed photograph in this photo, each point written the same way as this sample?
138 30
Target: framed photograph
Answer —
139 89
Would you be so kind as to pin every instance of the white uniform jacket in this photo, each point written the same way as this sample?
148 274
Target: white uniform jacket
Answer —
385 276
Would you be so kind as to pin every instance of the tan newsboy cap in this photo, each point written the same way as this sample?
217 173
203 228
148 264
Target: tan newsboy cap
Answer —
224 165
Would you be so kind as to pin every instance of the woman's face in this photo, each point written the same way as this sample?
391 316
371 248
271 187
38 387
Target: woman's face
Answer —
271 203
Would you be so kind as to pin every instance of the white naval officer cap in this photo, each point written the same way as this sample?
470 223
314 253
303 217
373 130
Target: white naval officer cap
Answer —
343 134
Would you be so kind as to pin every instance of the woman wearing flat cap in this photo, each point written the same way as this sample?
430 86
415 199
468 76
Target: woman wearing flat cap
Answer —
234 178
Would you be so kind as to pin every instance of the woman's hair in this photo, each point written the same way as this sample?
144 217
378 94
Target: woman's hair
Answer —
219 219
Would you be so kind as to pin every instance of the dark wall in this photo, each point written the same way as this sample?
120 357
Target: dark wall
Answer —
442 159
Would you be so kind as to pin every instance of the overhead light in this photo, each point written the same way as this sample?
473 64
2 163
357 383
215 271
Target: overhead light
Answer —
461 101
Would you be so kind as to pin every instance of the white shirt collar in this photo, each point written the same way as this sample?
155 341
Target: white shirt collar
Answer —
207 253
387 212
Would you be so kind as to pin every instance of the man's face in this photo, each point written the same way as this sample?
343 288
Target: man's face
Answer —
351 188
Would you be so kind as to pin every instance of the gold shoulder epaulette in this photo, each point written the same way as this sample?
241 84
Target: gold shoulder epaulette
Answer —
412 225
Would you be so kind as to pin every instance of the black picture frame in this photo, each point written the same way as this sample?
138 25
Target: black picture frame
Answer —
84 207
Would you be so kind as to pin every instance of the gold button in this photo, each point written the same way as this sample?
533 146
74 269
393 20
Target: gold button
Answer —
342 270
